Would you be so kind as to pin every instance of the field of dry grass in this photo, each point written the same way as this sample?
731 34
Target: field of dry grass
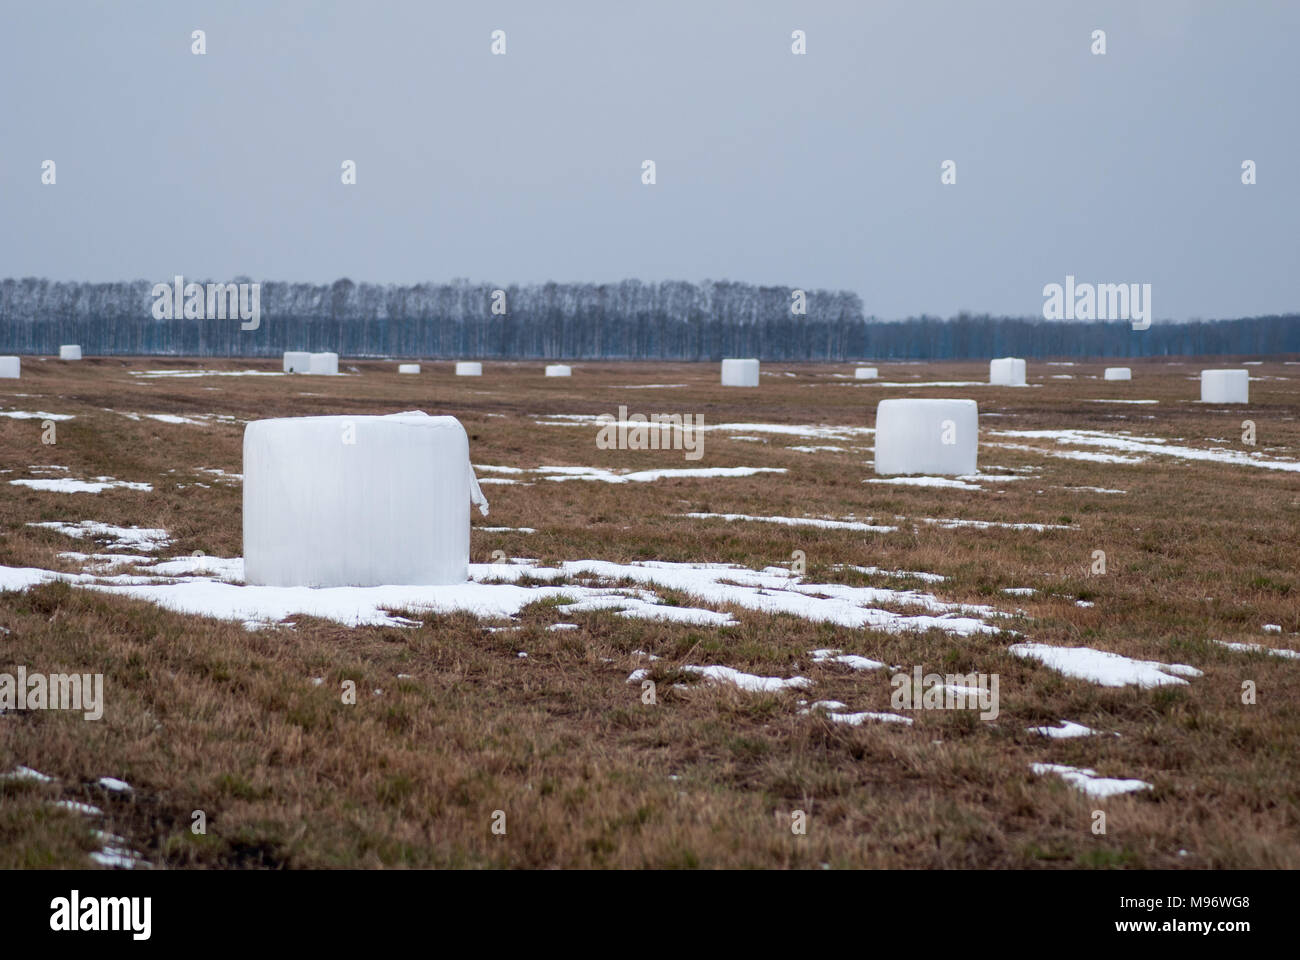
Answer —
452 724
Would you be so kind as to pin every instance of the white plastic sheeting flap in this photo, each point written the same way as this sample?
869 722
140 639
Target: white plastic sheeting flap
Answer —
358 501
1225 386
740 373
934 437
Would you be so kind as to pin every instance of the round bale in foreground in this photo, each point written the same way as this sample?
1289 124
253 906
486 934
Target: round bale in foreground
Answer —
469 368
934 437
1117 373
740 373
558 370
357 501
1225 386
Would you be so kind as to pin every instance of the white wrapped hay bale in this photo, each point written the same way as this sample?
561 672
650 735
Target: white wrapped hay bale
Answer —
1225 386
357 501
297 361
1117 373
865 373
324 363
10 368
469 368
408 368
935 437
558 370
1007 372
69 351
740 373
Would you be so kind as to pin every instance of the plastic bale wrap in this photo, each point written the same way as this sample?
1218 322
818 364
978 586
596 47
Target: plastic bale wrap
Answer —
69 351
1117 373
740 373
10 368
1225 386
469 368
408 368
558 370
324 363
933 437
357 501
1007 372
865 373
297 361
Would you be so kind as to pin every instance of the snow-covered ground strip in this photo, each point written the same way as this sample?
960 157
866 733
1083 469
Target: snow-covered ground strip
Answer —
1020 591
748 681
120 538
189 374
648 386
915 383
208 586
161 418
26 773
1121 401
948 482
603 475
1095 489
1260 648
878 571
506 529
1067 730
857 719
809 449
1070 454
954 524
1105 669
796 522
801 431
72 485
1088 781
1152 446
38 415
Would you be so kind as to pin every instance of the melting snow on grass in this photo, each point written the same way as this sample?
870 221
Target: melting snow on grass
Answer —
1260 648
1088 781
120 538
69 485
1067 730
1105 669
1148 446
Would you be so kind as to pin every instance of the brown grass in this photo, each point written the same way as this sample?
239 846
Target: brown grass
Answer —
203 715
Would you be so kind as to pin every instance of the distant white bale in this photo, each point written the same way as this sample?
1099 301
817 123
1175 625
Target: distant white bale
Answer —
1007 372
297 361
468 368
1117 373
69 351
740 373
558 370
10 368
357 501
865 373
1225 386
326 363
408 368
935 437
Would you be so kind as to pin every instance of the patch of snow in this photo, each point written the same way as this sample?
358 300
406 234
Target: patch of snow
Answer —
796 522
1088 781
69 485
1105 669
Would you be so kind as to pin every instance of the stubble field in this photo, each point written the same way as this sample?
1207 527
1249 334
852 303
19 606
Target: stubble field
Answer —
496 741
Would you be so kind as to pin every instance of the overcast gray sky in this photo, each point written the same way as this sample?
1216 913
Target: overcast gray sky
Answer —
820 170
